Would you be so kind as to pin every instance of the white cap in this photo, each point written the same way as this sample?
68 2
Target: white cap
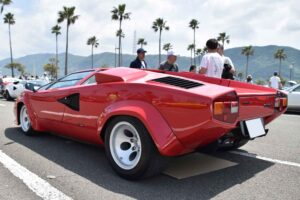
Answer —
171 53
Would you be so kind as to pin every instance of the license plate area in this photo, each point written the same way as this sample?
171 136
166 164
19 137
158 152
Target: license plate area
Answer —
255 128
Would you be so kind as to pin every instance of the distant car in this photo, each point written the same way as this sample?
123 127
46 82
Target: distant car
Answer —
6 81
13 90
294 98
289 84
141 116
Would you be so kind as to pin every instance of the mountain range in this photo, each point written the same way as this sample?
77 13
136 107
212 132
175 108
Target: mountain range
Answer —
261 65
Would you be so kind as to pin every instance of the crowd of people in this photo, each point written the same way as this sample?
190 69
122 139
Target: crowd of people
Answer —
213 64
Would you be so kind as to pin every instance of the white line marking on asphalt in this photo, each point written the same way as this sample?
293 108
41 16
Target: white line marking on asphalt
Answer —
2 105
39 186
266 159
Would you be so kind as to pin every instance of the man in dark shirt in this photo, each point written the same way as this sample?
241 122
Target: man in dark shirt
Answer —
139 62
169 64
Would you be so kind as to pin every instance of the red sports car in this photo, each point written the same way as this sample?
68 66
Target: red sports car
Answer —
144 116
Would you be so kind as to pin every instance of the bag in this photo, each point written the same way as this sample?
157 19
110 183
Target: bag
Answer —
226 74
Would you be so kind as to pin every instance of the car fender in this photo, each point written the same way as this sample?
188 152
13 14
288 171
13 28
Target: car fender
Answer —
161 133
24 100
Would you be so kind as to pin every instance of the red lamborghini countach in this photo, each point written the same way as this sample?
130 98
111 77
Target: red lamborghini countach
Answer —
143 116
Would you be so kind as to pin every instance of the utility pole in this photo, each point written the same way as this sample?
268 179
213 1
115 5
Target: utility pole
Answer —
116 48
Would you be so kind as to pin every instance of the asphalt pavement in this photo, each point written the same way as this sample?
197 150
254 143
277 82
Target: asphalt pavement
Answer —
268 168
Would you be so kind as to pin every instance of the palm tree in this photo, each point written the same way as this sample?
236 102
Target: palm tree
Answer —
142 42
56 30
159 25
18 66
194 24
281 55
94 42
67 14
119 14
9 19
223 38
4 3
247 51
51 68
240 76
167 47
191 48
199 53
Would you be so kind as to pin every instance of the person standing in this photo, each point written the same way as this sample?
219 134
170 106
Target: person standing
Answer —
139 62
192 68
212 63
170 64
249 79
275 82
229 70
45 78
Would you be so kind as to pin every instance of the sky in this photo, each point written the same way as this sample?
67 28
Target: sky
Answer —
248 22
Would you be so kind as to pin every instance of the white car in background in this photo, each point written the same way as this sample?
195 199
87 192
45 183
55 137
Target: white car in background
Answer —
6 81
13 90
294 98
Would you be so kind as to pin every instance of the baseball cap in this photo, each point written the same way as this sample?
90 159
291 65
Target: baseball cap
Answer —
171 53
141 50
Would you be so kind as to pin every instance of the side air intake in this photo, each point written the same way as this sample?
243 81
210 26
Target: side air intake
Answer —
178 82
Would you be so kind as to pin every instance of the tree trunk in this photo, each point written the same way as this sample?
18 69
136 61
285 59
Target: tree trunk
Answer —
191 56
120 35
56 58
92 56
279 66
246 74
66 55
11 54
194 46
159 46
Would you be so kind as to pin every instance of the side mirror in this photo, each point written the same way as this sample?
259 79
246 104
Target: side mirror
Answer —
16 82
31 87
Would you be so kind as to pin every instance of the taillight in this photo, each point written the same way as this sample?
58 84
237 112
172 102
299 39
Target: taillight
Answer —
281 101
226 108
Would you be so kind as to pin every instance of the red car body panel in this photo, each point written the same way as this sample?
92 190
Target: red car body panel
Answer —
179 120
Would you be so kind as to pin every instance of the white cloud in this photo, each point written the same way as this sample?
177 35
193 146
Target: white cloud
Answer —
246 21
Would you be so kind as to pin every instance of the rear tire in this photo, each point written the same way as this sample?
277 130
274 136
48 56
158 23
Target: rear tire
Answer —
7 96
25 122
130 149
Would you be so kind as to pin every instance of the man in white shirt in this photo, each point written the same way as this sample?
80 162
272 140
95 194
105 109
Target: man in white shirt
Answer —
212 63
275 81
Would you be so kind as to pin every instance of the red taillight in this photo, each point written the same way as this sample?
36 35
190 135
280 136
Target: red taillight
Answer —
226 108
281 101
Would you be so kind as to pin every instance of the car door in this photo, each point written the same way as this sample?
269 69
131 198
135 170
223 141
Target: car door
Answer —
47 101
46 107
82 117
294 98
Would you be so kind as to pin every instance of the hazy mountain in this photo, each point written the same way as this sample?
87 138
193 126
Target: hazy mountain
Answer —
261 65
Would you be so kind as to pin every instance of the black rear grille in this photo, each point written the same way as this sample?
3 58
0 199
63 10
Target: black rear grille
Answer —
179 82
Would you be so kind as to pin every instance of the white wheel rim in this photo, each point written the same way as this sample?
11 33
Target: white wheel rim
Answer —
125 145
25 121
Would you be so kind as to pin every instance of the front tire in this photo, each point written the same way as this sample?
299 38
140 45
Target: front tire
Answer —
25 121
130 149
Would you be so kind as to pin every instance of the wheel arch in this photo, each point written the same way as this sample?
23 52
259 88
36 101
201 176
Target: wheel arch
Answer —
159 130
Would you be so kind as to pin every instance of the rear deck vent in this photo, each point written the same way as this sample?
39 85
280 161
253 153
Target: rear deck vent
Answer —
178 82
